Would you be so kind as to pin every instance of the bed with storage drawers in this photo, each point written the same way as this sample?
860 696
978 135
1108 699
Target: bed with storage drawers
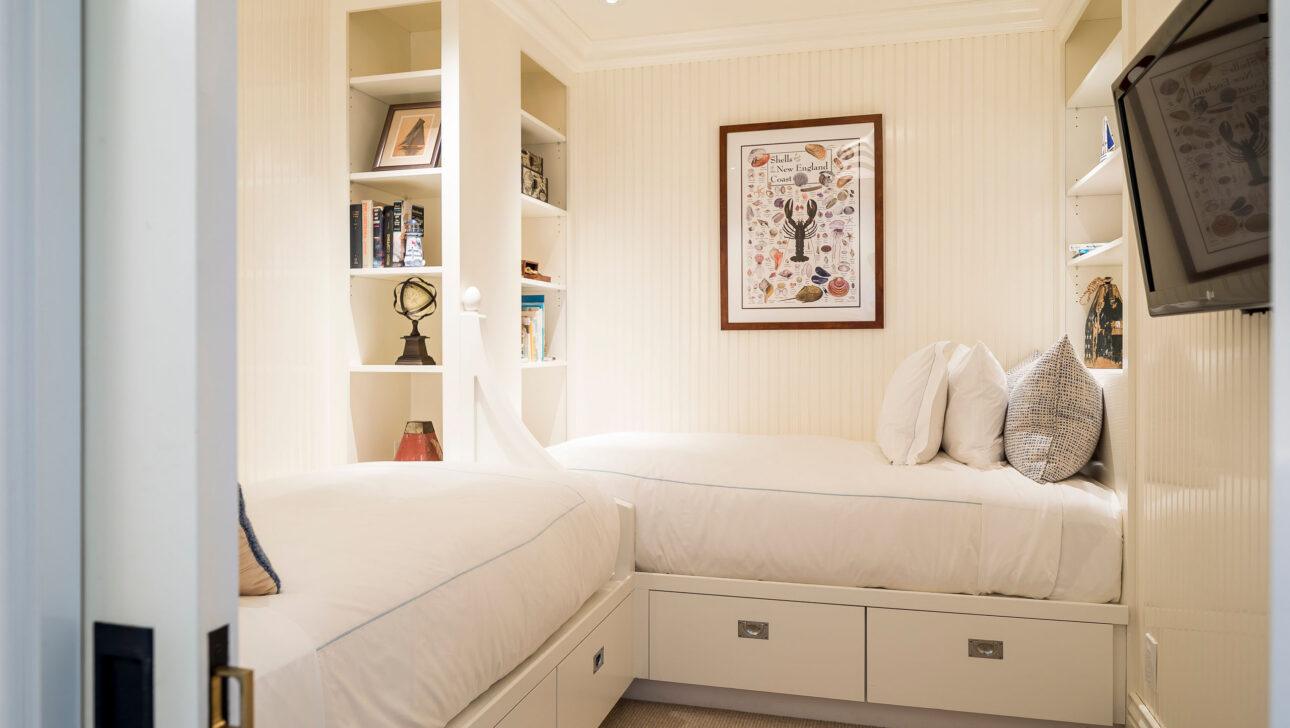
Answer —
812 567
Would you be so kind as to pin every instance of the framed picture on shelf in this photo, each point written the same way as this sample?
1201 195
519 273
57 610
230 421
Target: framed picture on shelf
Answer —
410 137
801 224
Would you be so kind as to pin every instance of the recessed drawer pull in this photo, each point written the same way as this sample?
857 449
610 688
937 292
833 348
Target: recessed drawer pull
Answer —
754 630
986 649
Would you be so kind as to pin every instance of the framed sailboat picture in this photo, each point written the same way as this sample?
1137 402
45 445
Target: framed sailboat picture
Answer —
801 224
410 137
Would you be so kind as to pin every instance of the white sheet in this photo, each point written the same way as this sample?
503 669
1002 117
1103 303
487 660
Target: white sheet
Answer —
409 588
823 510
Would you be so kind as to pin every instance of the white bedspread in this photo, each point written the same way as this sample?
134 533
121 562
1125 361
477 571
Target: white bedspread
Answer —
409 588
824 510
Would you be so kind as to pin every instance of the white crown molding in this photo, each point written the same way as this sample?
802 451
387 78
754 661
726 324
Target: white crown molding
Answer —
546 20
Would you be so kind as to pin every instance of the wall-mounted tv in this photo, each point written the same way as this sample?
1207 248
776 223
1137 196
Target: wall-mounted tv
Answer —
1195 124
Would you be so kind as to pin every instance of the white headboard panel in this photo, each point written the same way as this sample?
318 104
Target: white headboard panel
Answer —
1112 462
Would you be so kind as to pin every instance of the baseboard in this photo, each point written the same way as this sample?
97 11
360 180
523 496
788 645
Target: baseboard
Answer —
1140 716
838 711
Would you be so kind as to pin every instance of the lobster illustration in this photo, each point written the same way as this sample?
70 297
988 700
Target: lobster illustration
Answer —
1247 151
800 231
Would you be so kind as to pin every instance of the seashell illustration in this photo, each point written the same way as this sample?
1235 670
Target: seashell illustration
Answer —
778 218
844 268
1199 72
847 152
786 273
825 248
779 202
826 178
766 289
758 258
845 180
828 215
821 272
779 256
800 179
1170 86
1258 223
1227 95
780 286
815 150
1199 104
758 157
819 280
1245 211
837 163
749 214
839 287
811 188
843 195
848 210
1180 115
810 294
1240 202
832 202
1224 225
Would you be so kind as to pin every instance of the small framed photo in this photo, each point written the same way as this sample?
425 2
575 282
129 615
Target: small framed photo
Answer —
410 137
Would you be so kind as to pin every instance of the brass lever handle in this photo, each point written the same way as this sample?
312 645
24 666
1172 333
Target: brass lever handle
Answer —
246 684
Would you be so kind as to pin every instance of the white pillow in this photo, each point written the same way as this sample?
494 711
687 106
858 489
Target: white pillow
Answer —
975 408
913 409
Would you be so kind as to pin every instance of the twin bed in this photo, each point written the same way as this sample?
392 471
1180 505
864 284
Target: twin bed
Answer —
410 589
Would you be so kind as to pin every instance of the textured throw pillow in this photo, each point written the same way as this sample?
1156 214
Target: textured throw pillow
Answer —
256 576
976 403
1014 374
1054 416
913 409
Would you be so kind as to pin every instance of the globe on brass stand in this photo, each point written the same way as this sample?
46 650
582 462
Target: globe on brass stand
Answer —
415 299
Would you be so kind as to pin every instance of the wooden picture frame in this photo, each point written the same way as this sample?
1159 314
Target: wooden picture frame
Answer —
801 224
411 137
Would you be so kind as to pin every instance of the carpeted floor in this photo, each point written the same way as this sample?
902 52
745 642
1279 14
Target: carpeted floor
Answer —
639 714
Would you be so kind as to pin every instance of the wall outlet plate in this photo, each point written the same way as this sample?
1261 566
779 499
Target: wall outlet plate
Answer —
1150 661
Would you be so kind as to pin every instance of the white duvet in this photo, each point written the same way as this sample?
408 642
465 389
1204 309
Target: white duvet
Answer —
409 588
824 510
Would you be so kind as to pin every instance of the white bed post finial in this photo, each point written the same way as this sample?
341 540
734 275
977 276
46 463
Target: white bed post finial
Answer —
470 299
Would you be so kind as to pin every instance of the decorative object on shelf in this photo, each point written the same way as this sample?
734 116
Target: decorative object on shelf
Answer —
1078 249
801 224
529 160
1104 327
410 138
534 185
419 443
1108 139
413 235
415 299
529 269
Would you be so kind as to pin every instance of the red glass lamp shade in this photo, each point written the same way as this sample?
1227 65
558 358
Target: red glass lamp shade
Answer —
419 443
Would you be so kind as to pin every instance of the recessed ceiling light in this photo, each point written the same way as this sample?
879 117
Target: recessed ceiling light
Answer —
611 2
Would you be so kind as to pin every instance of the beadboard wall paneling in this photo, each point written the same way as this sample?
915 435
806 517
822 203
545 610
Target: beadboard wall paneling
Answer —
288 419
1200 507
971 242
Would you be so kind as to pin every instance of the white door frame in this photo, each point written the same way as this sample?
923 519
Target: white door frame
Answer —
1279 528
160 216
40 363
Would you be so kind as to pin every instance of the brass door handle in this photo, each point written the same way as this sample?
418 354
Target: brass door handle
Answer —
245 679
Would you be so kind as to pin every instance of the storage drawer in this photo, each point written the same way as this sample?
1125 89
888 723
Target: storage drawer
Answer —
596 674
537 709
798 648
1030 668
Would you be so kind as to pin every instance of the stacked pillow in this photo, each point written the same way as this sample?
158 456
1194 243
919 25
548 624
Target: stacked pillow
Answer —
1044 415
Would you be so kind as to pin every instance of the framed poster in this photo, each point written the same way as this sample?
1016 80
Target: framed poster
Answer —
1208 117
801 224
410 138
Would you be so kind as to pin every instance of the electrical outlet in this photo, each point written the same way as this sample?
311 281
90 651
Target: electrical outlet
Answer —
1150 662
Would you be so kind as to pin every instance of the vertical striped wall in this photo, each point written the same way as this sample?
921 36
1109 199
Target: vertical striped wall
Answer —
971 244
286 417
1200 507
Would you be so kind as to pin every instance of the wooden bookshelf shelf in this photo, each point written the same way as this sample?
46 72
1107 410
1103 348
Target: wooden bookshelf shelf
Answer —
399 88
535 131
407 183
434 271
533 207
395 369
1105 178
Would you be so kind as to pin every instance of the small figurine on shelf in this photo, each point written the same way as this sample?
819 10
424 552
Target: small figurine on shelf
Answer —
415 299
419 443
412 252
530 270
1108 139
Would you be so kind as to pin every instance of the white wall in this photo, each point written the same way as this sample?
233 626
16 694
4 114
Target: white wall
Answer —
1199 507
291 404
970 246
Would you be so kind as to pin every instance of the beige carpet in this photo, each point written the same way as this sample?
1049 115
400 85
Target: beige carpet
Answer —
639 714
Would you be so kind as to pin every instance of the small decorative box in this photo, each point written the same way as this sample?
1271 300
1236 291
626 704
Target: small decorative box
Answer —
531 161
534 185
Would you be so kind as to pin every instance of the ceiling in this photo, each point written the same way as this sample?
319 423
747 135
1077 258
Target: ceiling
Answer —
598 35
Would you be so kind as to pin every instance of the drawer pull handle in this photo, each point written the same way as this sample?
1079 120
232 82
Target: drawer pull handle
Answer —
598 661
754 630
986 649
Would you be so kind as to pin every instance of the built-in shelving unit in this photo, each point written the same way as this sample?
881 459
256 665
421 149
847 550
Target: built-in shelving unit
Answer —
430 271
1093 181
399 88
542 117
396 369
403 183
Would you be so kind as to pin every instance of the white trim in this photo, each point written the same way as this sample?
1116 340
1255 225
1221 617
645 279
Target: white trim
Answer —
1140 716
546 19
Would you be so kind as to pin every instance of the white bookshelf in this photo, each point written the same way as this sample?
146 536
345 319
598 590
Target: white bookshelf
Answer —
533 207
1111 254
530 285
432 271
1105 178
550 364
401 88
402 183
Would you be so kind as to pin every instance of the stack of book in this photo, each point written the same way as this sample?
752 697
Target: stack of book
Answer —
386 236
533 328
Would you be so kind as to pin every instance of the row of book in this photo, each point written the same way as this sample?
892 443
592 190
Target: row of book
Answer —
533 328
386 236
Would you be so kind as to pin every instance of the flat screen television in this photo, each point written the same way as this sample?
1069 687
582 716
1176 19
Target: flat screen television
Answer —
1194 117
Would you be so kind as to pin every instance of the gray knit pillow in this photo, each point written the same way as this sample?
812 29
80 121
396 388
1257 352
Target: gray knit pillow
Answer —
1054 416
1015 373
